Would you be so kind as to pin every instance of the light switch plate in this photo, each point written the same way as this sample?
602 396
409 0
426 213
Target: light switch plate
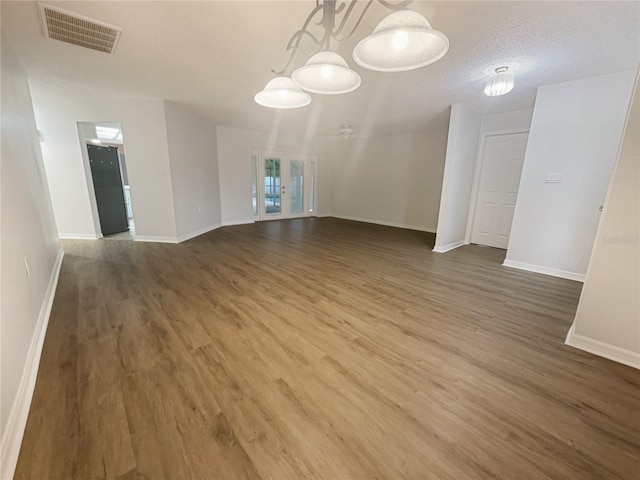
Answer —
553 178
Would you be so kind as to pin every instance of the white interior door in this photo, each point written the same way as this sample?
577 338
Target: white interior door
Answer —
286 185
502 160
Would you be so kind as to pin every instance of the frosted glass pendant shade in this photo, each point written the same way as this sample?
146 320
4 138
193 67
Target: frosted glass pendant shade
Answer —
500 84
281 92
328 73
402 41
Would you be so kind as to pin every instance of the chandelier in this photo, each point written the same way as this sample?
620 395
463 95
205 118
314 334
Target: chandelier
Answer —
402 41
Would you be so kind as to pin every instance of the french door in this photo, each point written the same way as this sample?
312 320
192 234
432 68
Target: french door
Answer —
285 185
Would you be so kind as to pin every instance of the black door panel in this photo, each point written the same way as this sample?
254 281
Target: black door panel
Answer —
107 183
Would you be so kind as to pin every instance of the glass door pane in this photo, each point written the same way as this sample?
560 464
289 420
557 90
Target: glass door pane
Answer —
286 185
272 186
296 187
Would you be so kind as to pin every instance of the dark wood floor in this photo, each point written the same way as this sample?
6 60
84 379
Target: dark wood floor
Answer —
324 349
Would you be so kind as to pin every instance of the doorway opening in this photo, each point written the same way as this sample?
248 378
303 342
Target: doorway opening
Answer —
283 185
104 155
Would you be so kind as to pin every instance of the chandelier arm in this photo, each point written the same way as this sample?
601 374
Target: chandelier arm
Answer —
355 27
324 42
341 7
396 6
345 17
303 30
295 48
296 38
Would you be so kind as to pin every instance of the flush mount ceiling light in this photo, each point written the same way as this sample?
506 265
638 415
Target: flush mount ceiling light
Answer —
402 41
501 83
281 92
108 134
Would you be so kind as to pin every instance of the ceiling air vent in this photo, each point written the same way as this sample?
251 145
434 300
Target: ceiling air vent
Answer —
78 30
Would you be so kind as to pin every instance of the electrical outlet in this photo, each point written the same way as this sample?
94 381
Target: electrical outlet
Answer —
26 266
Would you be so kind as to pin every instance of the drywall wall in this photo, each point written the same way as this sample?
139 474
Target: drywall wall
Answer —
28 240
457 180
234 163
193 157
608 318
391 180
500 122
575 131
324 184
58 110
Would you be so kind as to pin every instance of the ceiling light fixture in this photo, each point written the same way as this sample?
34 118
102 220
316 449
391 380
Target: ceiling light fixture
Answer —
108 133
281 92
326 72
404 40
501 83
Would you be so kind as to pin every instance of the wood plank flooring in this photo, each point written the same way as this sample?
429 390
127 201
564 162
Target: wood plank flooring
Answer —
320 349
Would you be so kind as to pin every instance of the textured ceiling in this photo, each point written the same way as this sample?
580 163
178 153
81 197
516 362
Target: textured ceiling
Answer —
213 56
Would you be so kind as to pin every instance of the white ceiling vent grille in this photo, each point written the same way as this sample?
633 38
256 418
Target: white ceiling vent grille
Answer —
78 30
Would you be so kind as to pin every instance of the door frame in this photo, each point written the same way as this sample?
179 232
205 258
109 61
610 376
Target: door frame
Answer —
477 173
310 161
85 140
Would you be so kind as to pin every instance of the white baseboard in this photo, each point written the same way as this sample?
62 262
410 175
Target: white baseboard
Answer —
17 420
148 238
387 224
449 247
196 233
228 223
602 349
578 277
78 236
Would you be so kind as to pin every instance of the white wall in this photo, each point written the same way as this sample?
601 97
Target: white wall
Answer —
193 155
27 232
324 186
575 130
145 137
608 318
457 181
499 122
391 180
234 164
